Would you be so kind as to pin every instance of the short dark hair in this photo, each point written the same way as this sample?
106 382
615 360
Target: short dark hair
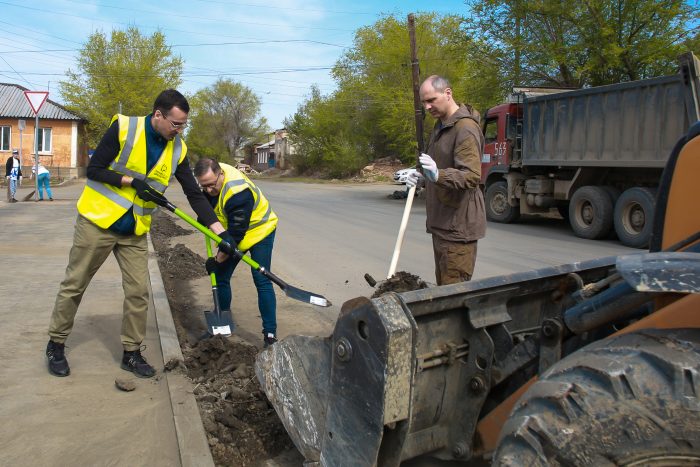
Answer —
204 164
170 98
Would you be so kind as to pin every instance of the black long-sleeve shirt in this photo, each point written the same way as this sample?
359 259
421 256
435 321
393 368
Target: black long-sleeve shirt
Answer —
108 149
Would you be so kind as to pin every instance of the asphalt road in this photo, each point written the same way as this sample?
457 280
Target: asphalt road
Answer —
330 235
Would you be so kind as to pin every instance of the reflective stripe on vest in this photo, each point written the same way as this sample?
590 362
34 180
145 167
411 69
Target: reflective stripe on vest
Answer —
120 164
262 224
103 204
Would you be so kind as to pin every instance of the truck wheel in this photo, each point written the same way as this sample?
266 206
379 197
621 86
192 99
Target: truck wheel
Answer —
591 212
497 207
634 212
628 400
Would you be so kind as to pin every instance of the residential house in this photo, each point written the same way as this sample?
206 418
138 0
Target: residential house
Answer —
61 143
274 153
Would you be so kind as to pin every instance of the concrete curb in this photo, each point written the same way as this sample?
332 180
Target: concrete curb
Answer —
191 439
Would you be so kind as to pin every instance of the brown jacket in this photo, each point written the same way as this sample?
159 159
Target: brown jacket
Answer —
455 204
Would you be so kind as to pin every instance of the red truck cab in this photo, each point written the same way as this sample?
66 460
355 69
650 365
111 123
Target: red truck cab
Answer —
500 136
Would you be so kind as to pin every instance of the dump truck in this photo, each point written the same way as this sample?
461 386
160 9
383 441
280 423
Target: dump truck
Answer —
595 154
591 363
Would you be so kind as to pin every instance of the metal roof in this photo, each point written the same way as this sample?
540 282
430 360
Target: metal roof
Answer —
13 104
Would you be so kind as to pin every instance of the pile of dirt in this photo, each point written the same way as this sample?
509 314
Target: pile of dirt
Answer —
242 428
401 281
241 425
379 170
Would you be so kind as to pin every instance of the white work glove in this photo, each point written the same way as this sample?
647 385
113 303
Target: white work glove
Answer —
413 179
429 167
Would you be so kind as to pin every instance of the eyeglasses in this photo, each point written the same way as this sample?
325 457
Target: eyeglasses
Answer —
211 185
176 126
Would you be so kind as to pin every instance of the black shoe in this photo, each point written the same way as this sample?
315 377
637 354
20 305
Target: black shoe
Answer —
58 364
268 340
133 361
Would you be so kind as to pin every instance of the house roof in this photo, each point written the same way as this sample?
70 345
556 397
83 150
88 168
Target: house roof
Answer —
13 104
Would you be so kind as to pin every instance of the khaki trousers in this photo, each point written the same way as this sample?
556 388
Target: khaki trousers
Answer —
454 262
91 247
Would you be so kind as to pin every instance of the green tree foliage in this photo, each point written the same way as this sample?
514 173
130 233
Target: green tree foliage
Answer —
126 70
371 114
592 42
224 117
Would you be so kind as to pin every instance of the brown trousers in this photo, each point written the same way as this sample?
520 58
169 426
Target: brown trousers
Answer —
91 247
454 262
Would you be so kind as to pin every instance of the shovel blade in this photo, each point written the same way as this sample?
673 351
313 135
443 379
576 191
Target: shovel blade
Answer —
304 296
219 323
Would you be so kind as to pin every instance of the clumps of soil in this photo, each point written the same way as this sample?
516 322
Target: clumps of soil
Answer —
241 425
181 263
402 281
242 428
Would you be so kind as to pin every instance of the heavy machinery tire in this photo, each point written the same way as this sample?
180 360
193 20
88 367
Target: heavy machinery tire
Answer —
497 207
629 400
634 215
591 212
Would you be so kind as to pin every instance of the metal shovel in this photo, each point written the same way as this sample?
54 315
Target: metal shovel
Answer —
218 321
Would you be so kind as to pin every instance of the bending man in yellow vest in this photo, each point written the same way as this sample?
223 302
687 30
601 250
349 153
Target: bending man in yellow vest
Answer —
249 220
136 156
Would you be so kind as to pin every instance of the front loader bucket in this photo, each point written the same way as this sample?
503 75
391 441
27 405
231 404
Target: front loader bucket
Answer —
295 373
348 386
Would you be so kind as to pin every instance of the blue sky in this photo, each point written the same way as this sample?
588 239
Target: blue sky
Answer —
292 44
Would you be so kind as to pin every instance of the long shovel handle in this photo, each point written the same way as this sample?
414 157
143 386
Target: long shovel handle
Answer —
402 231
290 291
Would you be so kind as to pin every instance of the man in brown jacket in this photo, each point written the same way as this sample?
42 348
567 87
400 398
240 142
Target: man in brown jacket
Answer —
456 216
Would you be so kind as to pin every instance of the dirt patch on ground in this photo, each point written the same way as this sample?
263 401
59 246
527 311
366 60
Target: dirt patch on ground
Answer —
242 428
402 281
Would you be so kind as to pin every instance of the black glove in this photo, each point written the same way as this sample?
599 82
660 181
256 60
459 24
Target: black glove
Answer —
145 192
211 265
226 237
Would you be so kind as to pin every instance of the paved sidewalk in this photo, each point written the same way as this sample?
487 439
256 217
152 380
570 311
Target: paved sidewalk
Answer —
82 419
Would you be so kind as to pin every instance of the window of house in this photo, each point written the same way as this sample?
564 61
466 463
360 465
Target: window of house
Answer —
4 138
44 139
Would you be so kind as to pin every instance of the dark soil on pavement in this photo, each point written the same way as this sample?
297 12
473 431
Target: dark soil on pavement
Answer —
242 427
401 281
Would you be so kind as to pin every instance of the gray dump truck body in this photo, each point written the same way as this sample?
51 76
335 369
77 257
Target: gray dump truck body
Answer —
595 155
633 124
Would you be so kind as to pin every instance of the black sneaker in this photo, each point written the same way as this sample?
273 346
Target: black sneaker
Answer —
268 340
133 361
58 364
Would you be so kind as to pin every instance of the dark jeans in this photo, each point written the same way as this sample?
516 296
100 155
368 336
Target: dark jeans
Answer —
261 252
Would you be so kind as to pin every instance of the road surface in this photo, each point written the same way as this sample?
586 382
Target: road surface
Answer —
330 235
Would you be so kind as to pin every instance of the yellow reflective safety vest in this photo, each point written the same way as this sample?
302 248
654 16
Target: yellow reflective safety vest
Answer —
263 219
104 204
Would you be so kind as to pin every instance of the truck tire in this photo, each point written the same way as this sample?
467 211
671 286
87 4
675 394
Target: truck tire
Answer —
591 212
634 214
628 400
497 207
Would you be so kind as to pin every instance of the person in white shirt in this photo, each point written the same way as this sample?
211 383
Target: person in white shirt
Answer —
13 173
43 181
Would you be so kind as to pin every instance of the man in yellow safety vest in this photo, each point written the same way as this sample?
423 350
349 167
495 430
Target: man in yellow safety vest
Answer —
134 161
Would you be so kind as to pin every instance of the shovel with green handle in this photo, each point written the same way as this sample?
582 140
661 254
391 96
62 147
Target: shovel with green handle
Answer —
289 290
218 321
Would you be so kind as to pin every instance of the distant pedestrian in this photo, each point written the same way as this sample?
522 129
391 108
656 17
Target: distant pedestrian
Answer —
43 181
13 174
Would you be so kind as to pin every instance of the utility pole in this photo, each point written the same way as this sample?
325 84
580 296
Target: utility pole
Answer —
415 74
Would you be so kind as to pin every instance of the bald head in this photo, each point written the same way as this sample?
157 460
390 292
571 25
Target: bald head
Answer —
436 97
